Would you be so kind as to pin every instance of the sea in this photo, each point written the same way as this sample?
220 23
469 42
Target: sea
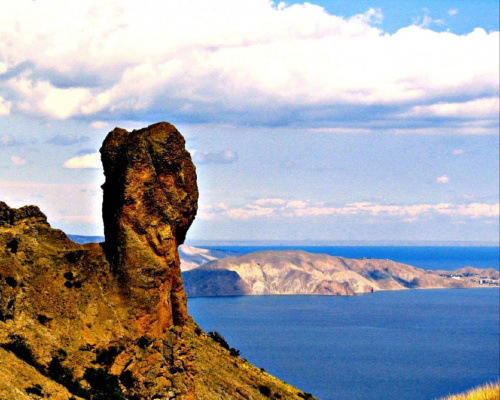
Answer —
391 345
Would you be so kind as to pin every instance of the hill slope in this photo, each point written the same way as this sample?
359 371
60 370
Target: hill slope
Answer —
109 320
299 272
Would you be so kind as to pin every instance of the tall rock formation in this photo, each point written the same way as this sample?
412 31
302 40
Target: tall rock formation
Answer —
108 321
150 200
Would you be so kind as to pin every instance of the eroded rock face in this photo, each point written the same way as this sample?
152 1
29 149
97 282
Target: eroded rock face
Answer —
115 312
108 321
150 200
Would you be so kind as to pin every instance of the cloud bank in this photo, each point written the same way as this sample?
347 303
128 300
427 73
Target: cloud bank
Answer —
281 208
229 61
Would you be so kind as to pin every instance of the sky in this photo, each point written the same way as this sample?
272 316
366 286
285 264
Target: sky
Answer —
375 120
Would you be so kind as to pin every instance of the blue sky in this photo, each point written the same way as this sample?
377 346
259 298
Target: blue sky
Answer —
328 120
457 16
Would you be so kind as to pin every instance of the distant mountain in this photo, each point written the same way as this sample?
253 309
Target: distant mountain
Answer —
81 239
299 272
193 257
208 272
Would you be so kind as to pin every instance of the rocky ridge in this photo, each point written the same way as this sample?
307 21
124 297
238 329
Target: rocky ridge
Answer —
193 257
299 272
109 320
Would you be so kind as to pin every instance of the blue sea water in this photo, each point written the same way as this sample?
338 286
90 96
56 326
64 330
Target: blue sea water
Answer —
415 344
418 344
426 257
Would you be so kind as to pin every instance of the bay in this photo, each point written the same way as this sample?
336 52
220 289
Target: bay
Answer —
414 344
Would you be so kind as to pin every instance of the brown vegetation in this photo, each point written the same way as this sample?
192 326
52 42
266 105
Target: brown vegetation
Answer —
486 392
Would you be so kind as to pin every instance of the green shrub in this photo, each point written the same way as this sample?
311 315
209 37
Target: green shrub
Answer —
217 337
234 352
104 385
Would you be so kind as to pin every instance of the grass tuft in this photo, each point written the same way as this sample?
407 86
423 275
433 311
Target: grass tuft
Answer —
487 392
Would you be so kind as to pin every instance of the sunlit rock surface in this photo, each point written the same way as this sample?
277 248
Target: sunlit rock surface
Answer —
109 320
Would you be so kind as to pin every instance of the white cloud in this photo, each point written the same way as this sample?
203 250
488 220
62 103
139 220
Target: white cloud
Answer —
42 97
19 161
475 210
458 152
92 161
443 179
297 204
264 202
480 108
247 60
303 209
453 11
250 212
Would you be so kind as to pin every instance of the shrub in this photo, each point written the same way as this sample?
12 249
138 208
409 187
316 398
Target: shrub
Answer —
64 376
43 319
69 276
104 385
265 390
144 342
217 337
35 389
107 356
11 281
127 379
234 352
20 348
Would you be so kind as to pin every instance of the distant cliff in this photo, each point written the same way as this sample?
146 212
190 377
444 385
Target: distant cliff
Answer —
193 257
299 272
109 321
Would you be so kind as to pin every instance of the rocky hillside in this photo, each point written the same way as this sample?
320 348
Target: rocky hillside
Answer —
299 272
109 321
193 257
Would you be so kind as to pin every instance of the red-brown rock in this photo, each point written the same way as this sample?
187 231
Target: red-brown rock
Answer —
150 200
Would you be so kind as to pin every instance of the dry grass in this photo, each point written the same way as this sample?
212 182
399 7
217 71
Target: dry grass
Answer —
486 392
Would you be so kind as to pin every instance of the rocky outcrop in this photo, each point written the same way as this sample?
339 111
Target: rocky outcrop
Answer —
109 320
112 314
149 202
298 272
